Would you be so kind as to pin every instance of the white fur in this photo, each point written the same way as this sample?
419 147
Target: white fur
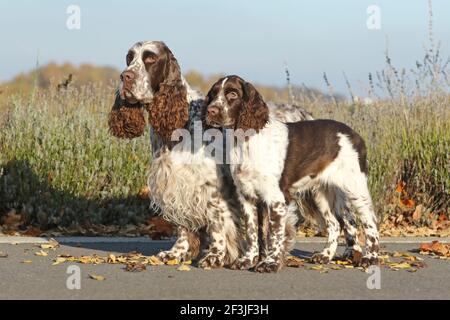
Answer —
257 173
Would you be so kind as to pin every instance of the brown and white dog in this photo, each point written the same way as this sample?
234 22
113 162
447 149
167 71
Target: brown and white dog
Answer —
193 194
275 163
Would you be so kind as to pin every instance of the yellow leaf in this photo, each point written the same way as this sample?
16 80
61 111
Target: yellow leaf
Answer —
154 261
402 265
52 244
184 268
97 277
59 260
121 259
318 267
41 253
27 261
112 259
85 260
173 262
336 268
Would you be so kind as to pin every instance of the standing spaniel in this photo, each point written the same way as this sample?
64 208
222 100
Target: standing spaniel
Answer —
275 163
189 188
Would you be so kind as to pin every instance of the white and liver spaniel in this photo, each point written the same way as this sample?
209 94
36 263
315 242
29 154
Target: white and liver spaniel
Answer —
275 163
193 194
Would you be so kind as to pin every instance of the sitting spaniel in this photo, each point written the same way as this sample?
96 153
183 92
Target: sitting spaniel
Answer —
274 163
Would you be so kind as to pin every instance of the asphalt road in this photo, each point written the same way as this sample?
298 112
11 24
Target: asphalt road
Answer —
41 280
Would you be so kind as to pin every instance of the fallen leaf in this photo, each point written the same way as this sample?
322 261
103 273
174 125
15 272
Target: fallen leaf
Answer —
27 261
97 277
59 260
318 268
405 255
135 267
153 261
173 262
184 267
112 259
335 267
85 260
52 244
3 254
401 265
294 262
342 262
436 247
41 253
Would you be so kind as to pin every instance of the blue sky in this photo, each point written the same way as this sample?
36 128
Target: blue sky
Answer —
252 38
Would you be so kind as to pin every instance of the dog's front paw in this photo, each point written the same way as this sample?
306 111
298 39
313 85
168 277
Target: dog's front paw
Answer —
369 260
165 256
268 266
244 263
320 258
211 261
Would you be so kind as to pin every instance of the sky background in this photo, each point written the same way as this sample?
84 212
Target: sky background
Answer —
252 38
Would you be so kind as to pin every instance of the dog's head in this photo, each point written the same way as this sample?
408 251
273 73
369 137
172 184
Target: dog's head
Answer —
234 103
152 81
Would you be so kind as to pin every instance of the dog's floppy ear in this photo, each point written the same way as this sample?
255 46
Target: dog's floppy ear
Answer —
126 121
169 109
255 113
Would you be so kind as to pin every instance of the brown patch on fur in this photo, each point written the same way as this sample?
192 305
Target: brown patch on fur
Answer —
193 239
169 109
255 113
313 145
126 121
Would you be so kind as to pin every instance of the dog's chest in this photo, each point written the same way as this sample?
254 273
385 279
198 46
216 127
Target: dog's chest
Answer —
260 159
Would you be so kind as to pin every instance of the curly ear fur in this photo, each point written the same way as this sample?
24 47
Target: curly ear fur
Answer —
126 121
255 113
169 109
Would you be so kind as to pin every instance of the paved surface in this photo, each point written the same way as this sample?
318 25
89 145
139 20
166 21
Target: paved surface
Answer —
41 280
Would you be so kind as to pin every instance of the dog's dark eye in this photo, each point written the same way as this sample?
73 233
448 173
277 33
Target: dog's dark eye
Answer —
130 57
149 57
231 95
